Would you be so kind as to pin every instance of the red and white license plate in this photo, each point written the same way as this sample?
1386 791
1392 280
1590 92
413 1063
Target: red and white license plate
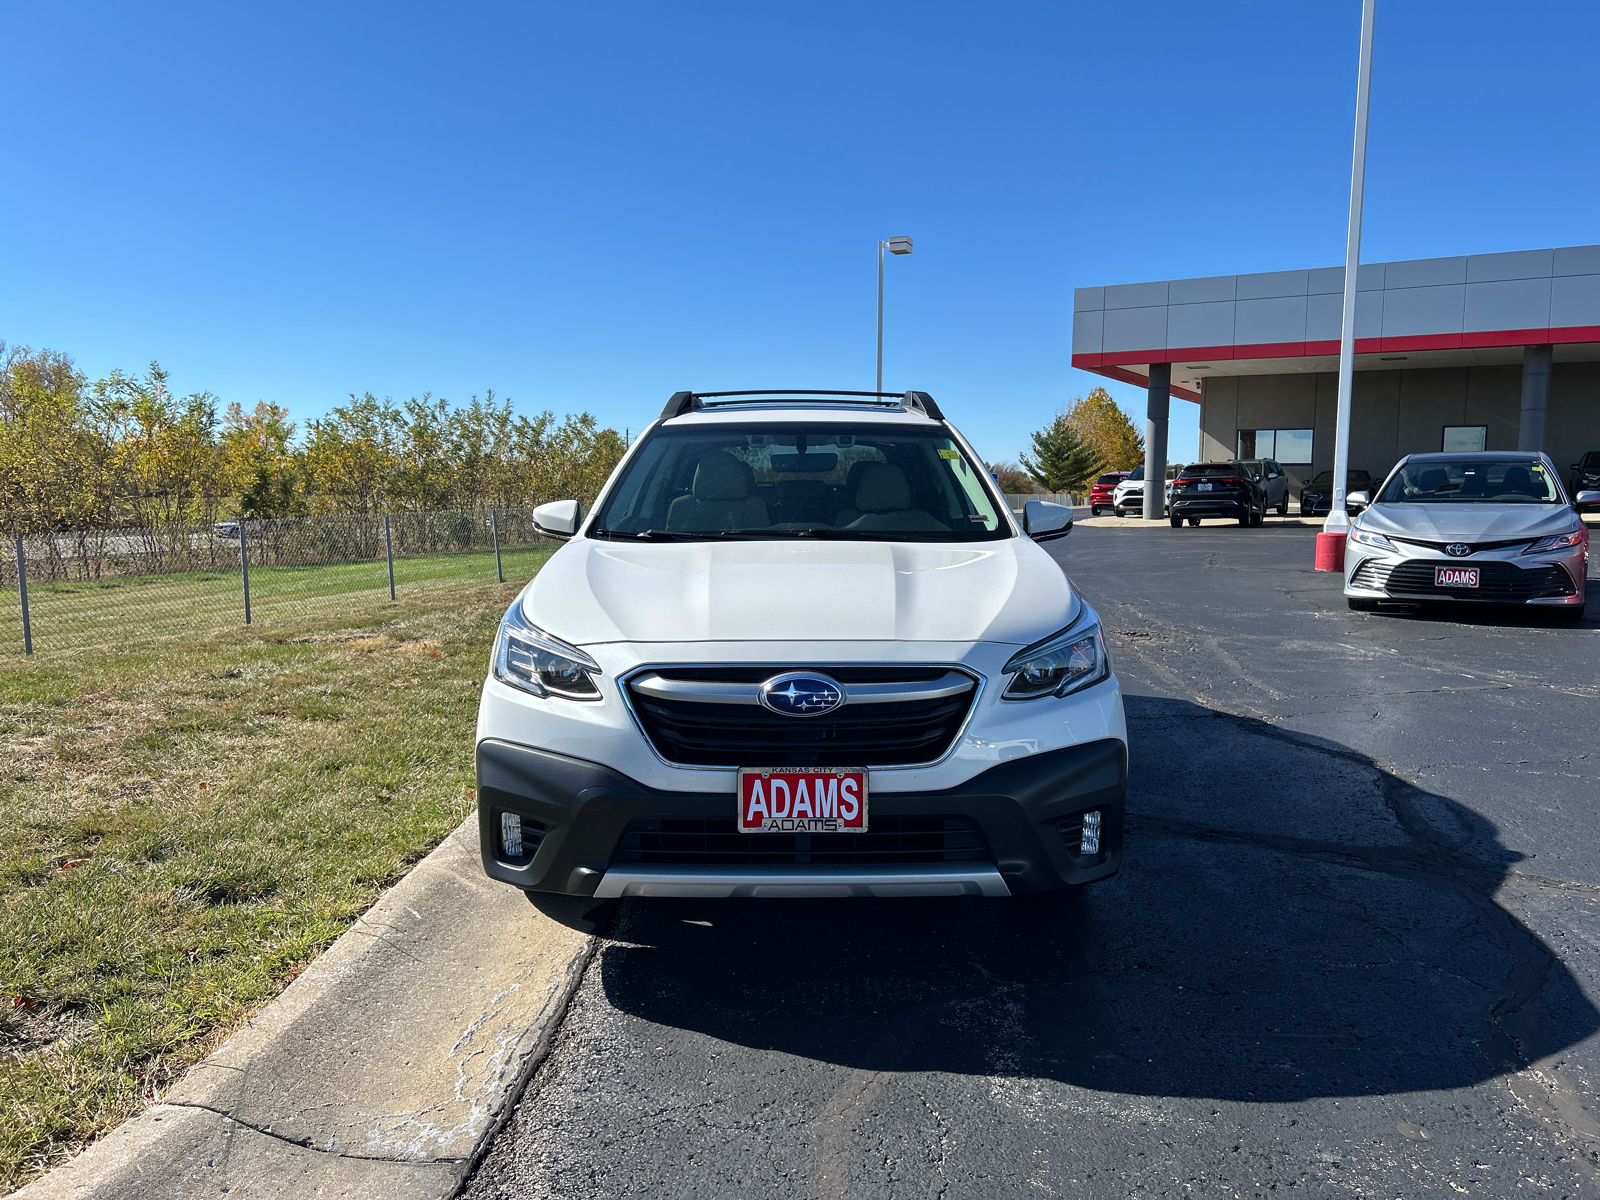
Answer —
1455 577
802 800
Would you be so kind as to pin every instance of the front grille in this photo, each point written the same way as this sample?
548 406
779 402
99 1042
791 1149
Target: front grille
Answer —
888 841
1473 547
856 735
1499 581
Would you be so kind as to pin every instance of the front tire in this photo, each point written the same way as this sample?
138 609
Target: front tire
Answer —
1118 511
1094 510
1283 509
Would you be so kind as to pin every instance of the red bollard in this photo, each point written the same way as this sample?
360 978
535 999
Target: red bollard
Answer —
1330 551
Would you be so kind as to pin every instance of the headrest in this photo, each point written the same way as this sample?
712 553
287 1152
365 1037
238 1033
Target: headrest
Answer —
1432 479
857 470
720 476
883 489
1517 480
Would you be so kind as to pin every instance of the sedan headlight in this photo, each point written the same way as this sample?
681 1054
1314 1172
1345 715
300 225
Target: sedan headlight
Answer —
1061 664
1373 541
1560 541
527 657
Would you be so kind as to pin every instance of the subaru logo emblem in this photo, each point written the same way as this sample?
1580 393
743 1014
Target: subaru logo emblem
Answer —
801 695
1458 549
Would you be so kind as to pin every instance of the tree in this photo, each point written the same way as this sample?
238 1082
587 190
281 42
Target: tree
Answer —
1013 480
1062 461
1099 422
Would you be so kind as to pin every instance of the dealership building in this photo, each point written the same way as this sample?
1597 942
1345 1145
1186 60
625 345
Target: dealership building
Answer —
1482 352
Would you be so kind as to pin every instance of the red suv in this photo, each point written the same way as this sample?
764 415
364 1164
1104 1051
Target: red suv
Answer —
1100 493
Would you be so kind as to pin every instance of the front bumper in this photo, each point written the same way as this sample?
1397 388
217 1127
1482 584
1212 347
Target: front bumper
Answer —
584 808
1535 579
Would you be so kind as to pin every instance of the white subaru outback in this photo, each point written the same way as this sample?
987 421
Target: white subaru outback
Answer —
800 647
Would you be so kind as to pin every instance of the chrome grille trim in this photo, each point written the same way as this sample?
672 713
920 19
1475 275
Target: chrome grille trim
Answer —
951 683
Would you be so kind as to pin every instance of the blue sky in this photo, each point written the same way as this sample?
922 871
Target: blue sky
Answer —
590 206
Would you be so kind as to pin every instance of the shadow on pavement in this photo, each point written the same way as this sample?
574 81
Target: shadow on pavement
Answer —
1511 616
1228 964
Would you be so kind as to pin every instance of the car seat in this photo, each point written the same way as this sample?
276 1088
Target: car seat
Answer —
721 497
1518 480
884 502
1432 480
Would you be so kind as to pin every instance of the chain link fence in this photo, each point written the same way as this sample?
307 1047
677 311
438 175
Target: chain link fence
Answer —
98 587
1017 500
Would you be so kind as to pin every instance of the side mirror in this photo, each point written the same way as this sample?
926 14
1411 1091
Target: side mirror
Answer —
559 518
1359 499
1044 522
1589 497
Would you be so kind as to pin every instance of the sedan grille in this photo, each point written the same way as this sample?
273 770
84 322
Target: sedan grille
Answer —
702 734
1500 581
890 841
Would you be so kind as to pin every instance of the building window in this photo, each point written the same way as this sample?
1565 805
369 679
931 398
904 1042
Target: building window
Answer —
1289 446
1463 438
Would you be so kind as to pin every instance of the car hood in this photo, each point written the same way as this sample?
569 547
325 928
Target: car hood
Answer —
1467 522
593 591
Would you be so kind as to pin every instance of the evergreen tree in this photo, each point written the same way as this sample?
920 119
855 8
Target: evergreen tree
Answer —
1062 461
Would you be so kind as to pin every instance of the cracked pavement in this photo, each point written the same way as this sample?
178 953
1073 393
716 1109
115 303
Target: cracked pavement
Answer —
1353 949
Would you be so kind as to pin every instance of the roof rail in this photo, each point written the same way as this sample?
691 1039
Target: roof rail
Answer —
686 402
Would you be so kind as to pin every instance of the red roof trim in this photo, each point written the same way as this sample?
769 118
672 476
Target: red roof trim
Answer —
1564 335
1122 376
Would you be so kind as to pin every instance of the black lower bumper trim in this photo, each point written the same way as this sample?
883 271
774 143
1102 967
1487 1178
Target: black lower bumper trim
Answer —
587 809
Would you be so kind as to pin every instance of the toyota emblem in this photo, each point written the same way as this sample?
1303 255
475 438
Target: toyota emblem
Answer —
801 695
1458 549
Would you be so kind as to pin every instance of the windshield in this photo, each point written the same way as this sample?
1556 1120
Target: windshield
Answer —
1471 481
1136 474
1109 480
865 482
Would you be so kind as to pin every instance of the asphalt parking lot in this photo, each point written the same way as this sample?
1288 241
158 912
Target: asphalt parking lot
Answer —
1350 953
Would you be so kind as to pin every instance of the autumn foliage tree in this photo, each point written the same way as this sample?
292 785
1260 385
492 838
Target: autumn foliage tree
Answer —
1102 425
125 451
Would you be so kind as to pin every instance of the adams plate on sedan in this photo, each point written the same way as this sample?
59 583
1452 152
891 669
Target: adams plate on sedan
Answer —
801 647
1494 527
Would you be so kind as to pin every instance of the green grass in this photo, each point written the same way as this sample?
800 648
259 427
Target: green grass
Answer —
186 822
97 612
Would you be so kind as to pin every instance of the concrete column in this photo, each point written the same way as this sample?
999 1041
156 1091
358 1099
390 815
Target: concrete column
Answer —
1157 402
1535 396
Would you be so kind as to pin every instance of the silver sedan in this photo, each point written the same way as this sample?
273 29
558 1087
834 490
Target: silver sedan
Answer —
1494 527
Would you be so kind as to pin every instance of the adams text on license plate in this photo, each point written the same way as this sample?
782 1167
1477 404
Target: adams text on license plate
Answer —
1455 577
802 800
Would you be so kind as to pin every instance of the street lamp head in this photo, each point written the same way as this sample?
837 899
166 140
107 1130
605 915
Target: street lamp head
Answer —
899 245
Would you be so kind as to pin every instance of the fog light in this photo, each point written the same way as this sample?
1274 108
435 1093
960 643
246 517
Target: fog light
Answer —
1090 843
511 834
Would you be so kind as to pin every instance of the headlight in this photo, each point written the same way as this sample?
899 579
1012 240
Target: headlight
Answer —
1560 541
1059 665
1374 541
527 657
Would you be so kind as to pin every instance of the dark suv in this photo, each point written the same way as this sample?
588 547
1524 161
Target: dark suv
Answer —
1586 477
1225 489
1274 483
1316 498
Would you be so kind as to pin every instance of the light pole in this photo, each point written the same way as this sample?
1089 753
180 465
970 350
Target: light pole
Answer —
1330 542
900 244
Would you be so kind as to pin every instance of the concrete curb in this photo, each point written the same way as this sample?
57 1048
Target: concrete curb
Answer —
380 1071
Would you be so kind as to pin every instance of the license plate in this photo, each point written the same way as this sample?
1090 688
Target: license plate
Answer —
1455 577
802 800
1205 487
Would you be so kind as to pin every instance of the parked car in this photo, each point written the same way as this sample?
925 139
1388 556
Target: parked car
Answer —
1489 527
1130 492
1316 497
1218 489
1101 490
1585 478
702 696
1273 482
